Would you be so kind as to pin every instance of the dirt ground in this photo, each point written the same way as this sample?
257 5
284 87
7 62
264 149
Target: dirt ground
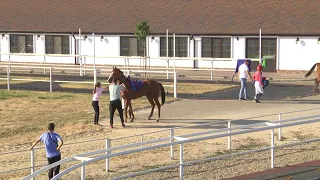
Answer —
216 108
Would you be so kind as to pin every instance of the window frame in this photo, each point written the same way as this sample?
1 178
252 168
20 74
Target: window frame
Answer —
211 46
262 44
180 51
27 38
63 40
140 46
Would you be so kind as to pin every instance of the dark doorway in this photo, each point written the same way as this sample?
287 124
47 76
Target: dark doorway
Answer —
269 48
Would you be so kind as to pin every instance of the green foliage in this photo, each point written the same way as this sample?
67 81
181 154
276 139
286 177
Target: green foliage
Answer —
55 96
4 94
142 30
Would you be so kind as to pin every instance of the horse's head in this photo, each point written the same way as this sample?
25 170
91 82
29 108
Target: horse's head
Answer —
118 74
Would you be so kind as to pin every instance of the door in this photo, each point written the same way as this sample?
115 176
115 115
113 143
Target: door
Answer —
269 48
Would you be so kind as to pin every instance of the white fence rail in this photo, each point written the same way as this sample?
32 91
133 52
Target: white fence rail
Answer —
171 136
51 81
181 140
128 61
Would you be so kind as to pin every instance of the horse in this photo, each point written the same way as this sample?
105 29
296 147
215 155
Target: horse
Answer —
317 80
150 88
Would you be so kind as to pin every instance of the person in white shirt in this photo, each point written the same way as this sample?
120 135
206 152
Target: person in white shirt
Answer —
243 75
115 102
95 101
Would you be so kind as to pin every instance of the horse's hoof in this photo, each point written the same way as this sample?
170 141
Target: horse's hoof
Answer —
149 118
157 120
131 120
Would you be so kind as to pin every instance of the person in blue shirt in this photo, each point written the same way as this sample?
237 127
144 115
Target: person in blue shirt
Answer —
53 143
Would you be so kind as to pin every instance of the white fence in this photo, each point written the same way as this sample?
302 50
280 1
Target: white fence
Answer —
129 61
106 154
50 81
108 141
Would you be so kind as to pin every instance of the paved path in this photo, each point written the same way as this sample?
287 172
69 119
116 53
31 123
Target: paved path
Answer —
304 171
223 106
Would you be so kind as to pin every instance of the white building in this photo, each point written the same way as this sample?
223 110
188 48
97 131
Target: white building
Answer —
39 30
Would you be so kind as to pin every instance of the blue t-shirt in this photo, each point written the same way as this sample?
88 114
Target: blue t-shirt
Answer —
51 144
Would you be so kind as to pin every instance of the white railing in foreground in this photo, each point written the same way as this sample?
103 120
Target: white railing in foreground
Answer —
181 140
8 78
170 130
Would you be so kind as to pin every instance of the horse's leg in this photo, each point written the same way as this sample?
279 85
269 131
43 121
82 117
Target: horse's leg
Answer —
159 107
316 85
131 111
126 110
152 106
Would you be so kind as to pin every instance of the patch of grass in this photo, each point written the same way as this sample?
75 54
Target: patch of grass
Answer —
55 96
4 94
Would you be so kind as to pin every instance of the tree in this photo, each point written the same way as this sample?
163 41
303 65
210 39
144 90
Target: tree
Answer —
142 31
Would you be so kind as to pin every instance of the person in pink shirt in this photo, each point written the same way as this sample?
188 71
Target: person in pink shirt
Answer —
95 101
258 84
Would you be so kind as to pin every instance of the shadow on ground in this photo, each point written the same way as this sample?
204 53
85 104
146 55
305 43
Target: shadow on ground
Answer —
194 123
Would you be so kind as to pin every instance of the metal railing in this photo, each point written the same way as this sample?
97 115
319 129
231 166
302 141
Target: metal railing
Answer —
181 140
127 60
51 81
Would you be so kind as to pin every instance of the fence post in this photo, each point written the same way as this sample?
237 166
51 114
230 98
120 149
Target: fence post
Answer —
108 145
175 85
32 162
181 162
44 64
141 141
8 78
171 140
229 137
211 70
272 148
279 133
9 59
95 76
51 79
84 65
83 172
168 69
80 67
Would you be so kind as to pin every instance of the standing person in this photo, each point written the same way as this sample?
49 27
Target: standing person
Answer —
243 75
95 101
53 143
258 84
115 102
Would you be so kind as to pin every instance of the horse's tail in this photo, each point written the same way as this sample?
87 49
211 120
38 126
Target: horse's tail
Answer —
311 70
163 94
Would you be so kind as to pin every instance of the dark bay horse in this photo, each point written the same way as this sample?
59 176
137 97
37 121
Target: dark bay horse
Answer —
150 88
317 80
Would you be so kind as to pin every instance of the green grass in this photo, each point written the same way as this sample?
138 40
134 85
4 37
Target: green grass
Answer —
4 94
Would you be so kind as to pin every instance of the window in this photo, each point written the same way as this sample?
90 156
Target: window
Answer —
181 47
131 46
216 47
269 47
57 45
21 43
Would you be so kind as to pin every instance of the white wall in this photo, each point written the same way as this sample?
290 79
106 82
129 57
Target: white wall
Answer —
301 56
291 56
